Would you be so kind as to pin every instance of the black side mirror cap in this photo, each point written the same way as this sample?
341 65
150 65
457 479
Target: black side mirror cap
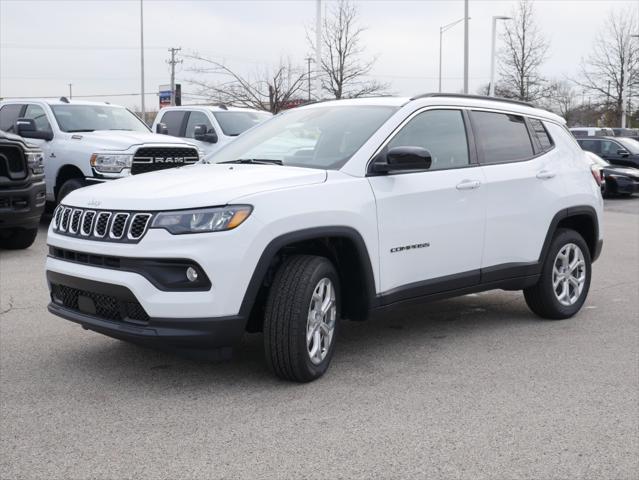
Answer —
26 128
402 159
202 133
162 129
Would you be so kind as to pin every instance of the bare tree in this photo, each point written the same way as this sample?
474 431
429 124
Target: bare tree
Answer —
563 99
343 73
524 52
272 90
611 72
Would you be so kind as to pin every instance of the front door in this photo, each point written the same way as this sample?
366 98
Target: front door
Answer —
431 223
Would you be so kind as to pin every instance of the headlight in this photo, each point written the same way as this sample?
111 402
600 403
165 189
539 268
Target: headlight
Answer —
204 220
35 160
111 162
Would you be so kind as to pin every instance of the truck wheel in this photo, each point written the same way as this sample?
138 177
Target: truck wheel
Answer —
70 185
19 238
565 278
300 322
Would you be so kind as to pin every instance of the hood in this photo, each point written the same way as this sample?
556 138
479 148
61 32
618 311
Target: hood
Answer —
122 139
192 186
627 171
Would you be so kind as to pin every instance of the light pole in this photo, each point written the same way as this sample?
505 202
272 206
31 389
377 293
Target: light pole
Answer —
142 59
441 33
318 48
466 18
491 85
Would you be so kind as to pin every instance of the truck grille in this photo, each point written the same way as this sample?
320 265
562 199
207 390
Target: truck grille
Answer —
13 165
151 159
102 225
102 306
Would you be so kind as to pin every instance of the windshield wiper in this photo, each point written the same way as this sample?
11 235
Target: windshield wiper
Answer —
256 161
80 130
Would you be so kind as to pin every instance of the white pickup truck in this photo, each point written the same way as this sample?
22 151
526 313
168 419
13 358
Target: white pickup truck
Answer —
87 142
209 127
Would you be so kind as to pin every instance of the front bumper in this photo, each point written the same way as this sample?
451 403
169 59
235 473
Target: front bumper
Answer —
104 307
22 207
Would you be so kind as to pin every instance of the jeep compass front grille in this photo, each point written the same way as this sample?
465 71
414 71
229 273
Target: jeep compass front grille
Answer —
102 225
150 159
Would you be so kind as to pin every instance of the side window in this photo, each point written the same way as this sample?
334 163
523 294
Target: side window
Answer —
37 114
501 137
173 121
8 116
593 146
609 148
441 132
197 118
543 136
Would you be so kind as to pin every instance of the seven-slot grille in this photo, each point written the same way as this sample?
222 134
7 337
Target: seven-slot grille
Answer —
150 159
102 225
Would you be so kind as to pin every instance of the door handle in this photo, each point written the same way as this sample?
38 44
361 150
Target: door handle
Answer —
545 174
468 185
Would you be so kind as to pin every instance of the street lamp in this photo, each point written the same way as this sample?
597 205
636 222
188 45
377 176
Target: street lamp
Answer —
441 33
491 85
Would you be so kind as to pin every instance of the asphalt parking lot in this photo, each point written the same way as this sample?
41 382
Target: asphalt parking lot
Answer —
474 387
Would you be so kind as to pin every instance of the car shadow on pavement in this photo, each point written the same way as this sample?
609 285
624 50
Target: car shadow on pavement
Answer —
401 336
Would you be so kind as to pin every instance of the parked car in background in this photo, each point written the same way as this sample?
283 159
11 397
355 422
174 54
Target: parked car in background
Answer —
616 180
22 191
383 201
208 127
592 132
87 142
616 150
627 132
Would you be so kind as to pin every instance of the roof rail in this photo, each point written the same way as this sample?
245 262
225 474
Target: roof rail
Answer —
474 97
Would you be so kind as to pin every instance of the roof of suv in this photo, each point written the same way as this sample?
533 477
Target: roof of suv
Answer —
452 99
57 101
214 108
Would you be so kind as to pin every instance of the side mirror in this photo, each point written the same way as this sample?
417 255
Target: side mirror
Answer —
26 128
162 129
403 158
201 133
623 152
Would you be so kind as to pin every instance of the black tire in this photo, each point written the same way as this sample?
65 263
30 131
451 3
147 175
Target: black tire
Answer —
68 186
19 238
286 317
541 298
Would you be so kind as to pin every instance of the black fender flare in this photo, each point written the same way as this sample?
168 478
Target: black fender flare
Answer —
275 245
567 213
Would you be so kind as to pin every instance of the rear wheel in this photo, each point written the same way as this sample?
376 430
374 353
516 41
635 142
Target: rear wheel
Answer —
301 318
565 278
18 238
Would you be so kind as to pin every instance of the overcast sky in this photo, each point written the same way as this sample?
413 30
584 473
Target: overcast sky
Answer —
45 45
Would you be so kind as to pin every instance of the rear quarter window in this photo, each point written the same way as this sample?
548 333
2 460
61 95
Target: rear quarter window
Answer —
501 137
545 141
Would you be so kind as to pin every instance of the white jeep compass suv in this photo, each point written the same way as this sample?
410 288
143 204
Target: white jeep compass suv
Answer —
332 211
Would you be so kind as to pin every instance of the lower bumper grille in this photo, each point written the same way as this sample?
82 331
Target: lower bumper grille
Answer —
98 305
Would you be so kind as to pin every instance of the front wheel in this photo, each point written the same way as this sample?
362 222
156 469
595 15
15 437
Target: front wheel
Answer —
69 186
19 238
301 317
565 278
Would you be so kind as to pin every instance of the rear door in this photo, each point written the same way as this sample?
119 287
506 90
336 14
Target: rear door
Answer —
431 223
522 191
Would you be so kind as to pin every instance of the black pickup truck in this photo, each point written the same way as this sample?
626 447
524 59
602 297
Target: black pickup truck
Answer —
22 191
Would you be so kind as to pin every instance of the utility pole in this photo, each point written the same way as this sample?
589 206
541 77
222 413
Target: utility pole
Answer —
142 60
172 63
443 29
309 60
318 48
465 46
70 91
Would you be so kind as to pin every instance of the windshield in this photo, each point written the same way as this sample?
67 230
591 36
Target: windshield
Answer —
234 123
87 118
629 144
319 137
